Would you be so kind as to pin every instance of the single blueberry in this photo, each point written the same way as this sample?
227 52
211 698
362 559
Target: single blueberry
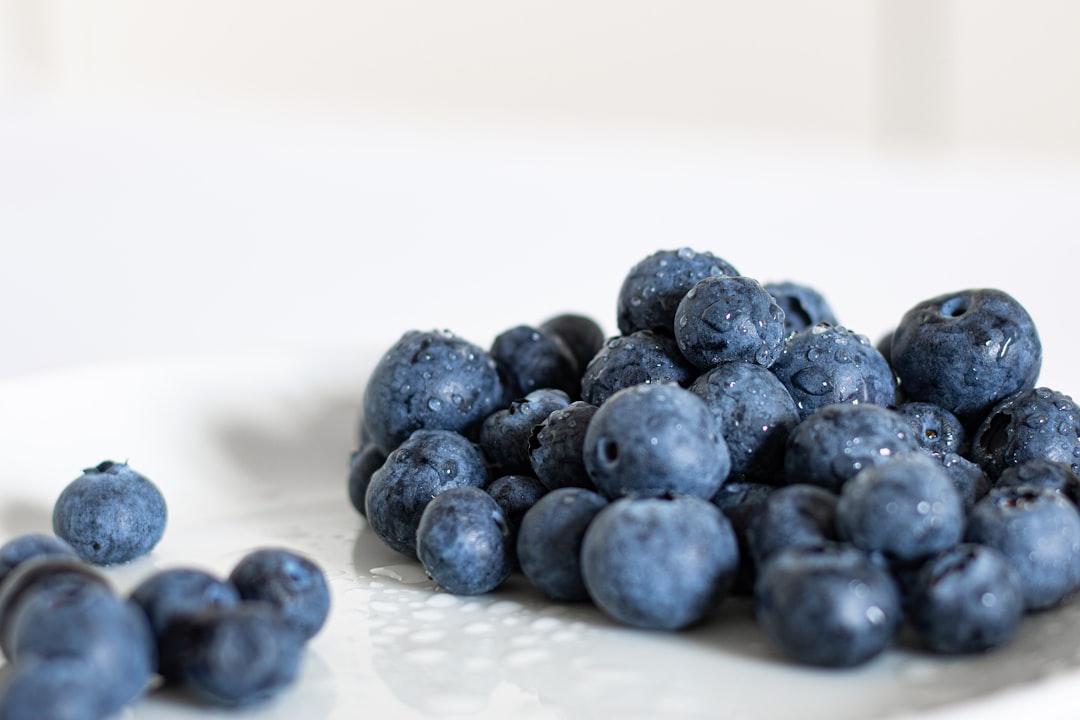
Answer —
829 364
66 687
837 441
643 357
933 427
966 600
580 333
756 415
362 465
464 542
1035 424
659 562
741 501
655 439
1057 476
651 291
907 509
556 447
535 359
827 605
427 463
19 549
549 541
291 583
431 381
505 434
966 350
803 306
967 477
110 514
729 319
1038 532
793 516
515 494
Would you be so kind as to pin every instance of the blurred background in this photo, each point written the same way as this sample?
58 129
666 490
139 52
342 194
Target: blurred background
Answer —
255 174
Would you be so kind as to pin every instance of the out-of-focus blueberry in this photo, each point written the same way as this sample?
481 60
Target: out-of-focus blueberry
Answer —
556 448
741 501
643 357
549 541
581 333
362 465
19 549
289 582
1035 424
793 516
535 359
1057 476
464 542
803 306
66 687
505 434
967 477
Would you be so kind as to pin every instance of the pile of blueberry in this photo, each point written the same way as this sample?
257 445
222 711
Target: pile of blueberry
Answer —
733 438
79 650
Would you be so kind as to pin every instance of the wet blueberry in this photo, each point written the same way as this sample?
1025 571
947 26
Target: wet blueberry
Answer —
534 359
803 306
1036 424
556 447
793 516
1057 476
505 434
549 541
933 427
641 358
580 333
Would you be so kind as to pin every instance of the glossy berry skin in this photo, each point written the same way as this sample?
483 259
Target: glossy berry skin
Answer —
234 657
1038 532
966 351
292 584
1036 424
580 333
933 427
60 688
505 434
659 562
729 319
464 542
651 291
1057 476
828 606
556 447
110 514
907 509
549 541
534 359
803 306
362 465
837 441
756 414
423 466
652 439
793 516
431 381
830 364
965 600
24 547
643 357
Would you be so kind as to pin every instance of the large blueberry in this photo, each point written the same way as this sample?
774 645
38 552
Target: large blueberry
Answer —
535 359
1035 424
829 364
110 514
505 434
659 562
803 306
556 447
756 415
289 582
423 466
640 358
655 439
549 541
651 291
66 687
966 350
434 381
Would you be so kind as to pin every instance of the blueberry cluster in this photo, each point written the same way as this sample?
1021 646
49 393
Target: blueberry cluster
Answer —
734 439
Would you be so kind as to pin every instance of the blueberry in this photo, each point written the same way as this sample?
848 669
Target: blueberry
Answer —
429 462
803 306
729 319
1038 532
640 358
655 439
556 447
1036 424
549 541
110 514
741 501
168 595
933 427
756 414
362 465
966 351
505 434
652 289
907 509
235 656
659 562
464 542
431 381
580 333
967 477
793 516
65 687
1057 476
17 550
515 494
829 364
534 359
292 584
827 605
966 600
837 441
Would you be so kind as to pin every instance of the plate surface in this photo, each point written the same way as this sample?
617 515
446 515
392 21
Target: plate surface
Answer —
253 451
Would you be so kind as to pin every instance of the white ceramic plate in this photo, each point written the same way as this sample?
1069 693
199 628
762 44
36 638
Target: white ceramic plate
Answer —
253 451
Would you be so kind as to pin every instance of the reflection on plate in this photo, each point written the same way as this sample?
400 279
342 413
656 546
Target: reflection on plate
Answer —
253 451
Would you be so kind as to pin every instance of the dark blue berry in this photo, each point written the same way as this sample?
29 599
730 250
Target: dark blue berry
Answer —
803 306
505 434
549 541
966 351
515 494
741 501
534 359
287 581
580 333
655 439
793 516
556 447
24 547
933 427
464 542
643 357
65 687
362 465
967 477
1036 424
110 514
659 562
1057 476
